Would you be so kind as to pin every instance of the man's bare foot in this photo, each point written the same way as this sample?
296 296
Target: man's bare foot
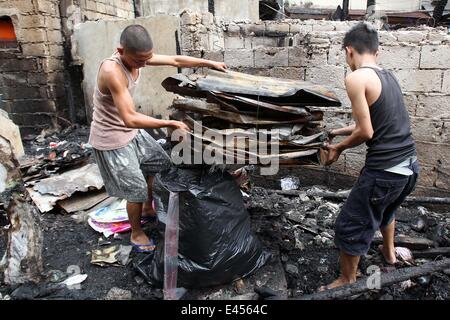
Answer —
389 256
336 283
140 239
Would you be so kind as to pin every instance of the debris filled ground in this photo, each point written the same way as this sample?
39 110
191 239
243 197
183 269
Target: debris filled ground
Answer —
298 230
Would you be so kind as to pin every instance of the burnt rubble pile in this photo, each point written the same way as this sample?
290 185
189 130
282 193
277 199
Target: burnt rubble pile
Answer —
301 229
241 110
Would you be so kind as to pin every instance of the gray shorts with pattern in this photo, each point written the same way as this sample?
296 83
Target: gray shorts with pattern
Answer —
125 170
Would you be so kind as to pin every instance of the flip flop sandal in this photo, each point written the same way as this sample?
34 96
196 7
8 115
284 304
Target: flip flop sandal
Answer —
140 247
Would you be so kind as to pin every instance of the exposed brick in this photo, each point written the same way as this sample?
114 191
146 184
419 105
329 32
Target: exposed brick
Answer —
233 30
425 129
434 36
411 102
37 78
54 36
318 26
428 175
329 76
336 55
32 21
31 106
288 73
214 55
433 153
437 57
52 64
300 28
398 57
411 36
354 163
446 82
433 106
35 35
387 37
419 80
190 18
21 92
234 43
239 58
56 50
253 29
271 57
35 49
12 79
52 23
18 65
443 177
48 7
32 119
277 29
266 42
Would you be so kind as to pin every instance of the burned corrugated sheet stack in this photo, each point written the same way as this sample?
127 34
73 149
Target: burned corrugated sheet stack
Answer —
245 110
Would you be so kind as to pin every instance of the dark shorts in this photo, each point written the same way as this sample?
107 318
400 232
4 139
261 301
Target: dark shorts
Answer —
371 205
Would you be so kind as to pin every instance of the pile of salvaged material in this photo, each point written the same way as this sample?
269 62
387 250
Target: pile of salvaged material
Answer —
240 109
58 170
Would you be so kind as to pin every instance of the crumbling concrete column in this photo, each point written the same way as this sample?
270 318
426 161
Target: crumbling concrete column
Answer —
22 261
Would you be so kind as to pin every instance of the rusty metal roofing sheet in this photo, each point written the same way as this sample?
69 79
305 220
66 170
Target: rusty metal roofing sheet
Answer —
245 84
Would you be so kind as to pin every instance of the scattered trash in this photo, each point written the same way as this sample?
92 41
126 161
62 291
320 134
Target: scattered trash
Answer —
404 255
74 280
290 183
56 276
407 284
420 225
117 255
111 219
118 294
423 280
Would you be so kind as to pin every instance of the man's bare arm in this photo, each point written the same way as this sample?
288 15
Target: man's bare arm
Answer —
184 62
345 131
124 102
363 130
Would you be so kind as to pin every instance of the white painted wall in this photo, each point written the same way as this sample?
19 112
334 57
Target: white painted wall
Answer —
401 5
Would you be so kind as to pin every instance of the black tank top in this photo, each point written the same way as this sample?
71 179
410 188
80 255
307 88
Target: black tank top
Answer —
391 142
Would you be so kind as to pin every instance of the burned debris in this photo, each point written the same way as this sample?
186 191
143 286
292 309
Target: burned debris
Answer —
239 109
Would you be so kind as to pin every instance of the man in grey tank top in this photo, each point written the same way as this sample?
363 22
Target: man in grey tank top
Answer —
391 168
127 156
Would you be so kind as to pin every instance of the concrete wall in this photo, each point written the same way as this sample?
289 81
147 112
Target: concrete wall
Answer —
224 10
150 98
408 5
311 50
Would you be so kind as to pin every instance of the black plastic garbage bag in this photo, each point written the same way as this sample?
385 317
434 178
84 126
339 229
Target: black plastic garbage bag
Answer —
216 245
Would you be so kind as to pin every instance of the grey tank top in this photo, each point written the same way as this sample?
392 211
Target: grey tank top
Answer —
392 141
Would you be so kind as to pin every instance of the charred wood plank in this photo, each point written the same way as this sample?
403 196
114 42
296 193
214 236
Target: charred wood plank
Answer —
342 195
386 279
409 242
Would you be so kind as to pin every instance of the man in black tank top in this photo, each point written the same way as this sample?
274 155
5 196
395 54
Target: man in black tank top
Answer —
391 168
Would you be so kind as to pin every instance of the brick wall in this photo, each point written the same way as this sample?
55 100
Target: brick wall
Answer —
32 75
37 77
311 50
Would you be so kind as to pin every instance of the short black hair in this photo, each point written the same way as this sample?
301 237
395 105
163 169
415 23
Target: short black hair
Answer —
136 38
363 37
